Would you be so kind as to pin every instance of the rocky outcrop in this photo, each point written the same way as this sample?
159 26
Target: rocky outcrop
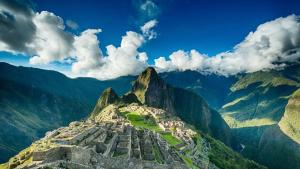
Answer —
108 96
151 90
130 98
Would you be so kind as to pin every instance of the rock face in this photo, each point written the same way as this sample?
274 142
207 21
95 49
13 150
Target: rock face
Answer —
151 90
108 96
130 98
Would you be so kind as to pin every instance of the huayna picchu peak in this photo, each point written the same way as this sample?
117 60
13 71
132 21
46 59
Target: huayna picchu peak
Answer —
129 132
190 107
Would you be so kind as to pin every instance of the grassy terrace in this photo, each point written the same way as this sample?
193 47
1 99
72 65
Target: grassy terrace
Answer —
143 121
170 139
189 162
148 122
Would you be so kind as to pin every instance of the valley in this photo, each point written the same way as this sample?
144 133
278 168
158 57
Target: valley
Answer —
259 112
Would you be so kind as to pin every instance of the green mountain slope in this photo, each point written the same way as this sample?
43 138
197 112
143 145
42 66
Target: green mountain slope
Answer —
33 101
290 122
253 104
262 108
268 145
118 133
258 99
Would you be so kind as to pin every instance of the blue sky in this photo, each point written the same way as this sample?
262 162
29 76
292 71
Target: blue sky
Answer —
208 26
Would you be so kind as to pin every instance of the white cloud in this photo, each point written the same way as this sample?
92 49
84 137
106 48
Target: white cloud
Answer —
143 57
147 29
87 52
181 60
45 40
272 45
43 37
122 60
16 26
51 42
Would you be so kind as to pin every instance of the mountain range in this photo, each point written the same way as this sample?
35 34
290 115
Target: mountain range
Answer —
256 114
146 127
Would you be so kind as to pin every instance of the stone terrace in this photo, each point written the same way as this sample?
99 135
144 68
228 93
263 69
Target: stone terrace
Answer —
90 142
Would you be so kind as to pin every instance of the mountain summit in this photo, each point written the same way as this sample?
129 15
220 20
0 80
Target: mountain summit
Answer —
148 81
151 90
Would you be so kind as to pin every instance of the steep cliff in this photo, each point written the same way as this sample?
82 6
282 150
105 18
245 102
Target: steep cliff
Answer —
153 91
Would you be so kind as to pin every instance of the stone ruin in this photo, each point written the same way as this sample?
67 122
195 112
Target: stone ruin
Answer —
104 144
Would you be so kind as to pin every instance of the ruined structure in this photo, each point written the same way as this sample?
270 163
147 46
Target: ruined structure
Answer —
109 140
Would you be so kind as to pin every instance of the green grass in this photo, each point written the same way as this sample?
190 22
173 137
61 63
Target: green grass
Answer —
142 121
117 154
148 122
189 162
224 157
170 139
157 154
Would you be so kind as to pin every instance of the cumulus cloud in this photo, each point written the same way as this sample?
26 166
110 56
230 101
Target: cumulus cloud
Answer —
87 52
42 36
147 29
272 45
181 60
120 61
51 42
17 29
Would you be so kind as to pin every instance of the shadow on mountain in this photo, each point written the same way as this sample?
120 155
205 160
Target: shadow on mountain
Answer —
268 145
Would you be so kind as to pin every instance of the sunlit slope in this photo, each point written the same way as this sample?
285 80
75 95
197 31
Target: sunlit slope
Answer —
258 99
290 122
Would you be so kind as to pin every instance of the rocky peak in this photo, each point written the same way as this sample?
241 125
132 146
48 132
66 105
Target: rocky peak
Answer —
191 108
149 75
148 81
108 96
